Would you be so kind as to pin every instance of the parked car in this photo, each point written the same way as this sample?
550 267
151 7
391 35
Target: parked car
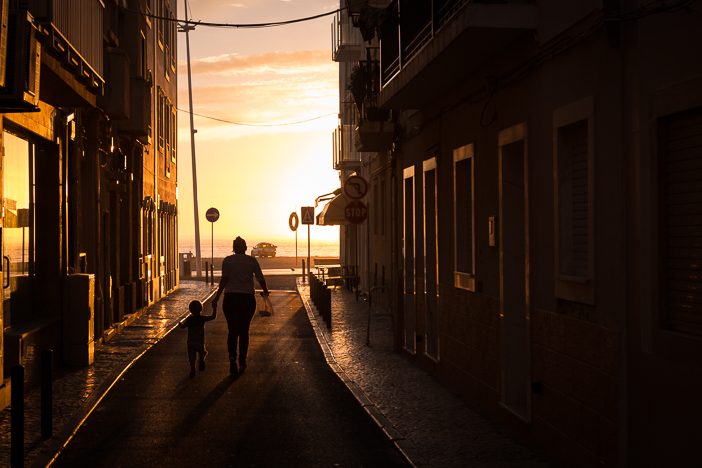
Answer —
263 249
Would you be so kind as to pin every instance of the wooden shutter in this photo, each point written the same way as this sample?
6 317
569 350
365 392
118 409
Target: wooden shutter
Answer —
573 183
681 220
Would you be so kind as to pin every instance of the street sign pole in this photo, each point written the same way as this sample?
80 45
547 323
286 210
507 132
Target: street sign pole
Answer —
212 215
308 219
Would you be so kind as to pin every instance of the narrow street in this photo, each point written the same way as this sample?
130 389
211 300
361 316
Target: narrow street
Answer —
288 409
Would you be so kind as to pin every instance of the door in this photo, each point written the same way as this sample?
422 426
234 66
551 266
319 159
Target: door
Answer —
408 261
431 260
514 272
18 226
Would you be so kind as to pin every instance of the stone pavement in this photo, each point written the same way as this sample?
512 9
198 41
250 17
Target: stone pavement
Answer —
431 426
77 391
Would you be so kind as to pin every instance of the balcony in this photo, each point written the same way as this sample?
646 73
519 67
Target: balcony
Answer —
438 44
375 130
347 43
72 32
345 154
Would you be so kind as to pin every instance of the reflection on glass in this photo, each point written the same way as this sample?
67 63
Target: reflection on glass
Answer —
16 203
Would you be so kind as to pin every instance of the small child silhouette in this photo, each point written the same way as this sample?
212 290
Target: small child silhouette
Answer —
195 323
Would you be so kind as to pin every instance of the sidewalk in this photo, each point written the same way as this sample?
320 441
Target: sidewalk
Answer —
428 424
77 391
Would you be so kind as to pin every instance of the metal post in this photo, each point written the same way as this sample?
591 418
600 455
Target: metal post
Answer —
186 28
304 278
309 264
212 249
296 249
17 417
47 410
212 274
207 272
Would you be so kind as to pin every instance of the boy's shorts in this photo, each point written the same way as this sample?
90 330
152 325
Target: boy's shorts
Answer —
193 349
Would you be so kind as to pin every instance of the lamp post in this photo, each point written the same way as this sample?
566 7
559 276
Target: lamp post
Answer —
187 28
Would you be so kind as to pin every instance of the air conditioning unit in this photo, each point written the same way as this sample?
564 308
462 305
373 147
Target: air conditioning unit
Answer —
139 122
20 92
116 99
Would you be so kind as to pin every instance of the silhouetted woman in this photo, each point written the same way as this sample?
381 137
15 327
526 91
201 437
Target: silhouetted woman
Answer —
239 303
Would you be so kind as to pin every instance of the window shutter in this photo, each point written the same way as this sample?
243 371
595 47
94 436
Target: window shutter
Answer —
681 220
573 180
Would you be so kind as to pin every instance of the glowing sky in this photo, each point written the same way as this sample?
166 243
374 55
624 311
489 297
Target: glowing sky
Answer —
257 175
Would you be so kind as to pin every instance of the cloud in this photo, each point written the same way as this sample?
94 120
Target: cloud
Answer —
266 88
276 62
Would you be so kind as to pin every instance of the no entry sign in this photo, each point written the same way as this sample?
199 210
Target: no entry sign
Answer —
212 215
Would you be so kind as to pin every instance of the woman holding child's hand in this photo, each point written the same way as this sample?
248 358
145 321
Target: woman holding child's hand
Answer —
239 303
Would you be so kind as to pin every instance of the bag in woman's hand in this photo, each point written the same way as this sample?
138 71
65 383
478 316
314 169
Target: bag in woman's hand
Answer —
265 307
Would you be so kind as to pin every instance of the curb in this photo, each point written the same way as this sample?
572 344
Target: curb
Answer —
69 430
393 435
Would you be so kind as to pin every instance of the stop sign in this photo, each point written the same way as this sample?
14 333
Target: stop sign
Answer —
212 215
356 211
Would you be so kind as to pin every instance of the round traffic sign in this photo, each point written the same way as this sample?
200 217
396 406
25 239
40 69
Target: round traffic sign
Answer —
356 211
293 221
355 187
212 215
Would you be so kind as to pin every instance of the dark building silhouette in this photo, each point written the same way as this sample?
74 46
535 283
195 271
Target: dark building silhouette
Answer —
534 211
88 112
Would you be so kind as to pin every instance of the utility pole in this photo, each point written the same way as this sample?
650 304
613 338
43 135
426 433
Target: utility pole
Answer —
187 28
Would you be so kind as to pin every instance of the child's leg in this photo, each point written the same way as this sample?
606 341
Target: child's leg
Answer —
191 359
202 352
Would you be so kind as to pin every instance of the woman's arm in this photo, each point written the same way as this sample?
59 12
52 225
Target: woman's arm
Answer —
220 288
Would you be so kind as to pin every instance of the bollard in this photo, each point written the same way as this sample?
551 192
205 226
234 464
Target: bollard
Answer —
47 410
17 417
304 279
207 273
212 274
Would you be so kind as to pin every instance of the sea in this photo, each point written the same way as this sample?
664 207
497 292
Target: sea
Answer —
286 248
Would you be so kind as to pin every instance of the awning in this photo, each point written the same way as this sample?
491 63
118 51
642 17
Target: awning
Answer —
333 212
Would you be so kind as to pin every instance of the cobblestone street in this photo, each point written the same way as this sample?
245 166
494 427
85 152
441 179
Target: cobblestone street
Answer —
429 424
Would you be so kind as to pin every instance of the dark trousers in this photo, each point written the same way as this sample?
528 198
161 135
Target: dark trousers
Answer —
238 309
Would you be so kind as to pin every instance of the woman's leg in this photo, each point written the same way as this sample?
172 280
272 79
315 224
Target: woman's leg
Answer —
244 316
229 308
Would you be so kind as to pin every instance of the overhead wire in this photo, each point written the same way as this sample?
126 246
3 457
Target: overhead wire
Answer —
211 24
252 124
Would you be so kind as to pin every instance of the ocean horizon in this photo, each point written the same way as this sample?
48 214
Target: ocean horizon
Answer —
286 248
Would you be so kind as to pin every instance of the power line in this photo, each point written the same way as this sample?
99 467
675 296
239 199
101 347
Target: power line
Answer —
235 25
281 124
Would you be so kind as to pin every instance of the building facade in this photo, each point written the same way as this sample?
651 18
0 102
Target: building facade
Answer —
87 108
541 190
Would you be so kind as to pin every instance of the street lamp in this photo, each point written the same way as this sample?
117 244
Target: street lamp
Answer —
186 28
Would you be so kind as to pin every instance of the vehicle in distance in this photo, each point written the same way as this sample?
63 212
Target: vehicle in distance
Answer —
263 249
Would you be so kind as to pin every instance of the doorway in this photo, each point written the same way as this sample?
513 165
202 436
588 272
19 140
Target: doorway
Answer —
514 271
408 259
431 260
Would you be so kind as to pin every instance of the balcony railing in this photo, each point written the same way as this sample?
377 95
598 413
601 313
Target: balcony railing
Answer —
73 29
418 24
345 154
347 43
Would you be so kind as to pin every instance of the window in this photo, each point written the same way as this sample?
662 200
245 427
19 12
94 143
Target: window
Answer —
464 217
573 161
680 201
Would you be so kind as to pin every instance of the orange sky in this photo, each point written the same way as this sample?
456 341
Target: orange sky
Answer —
257 175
